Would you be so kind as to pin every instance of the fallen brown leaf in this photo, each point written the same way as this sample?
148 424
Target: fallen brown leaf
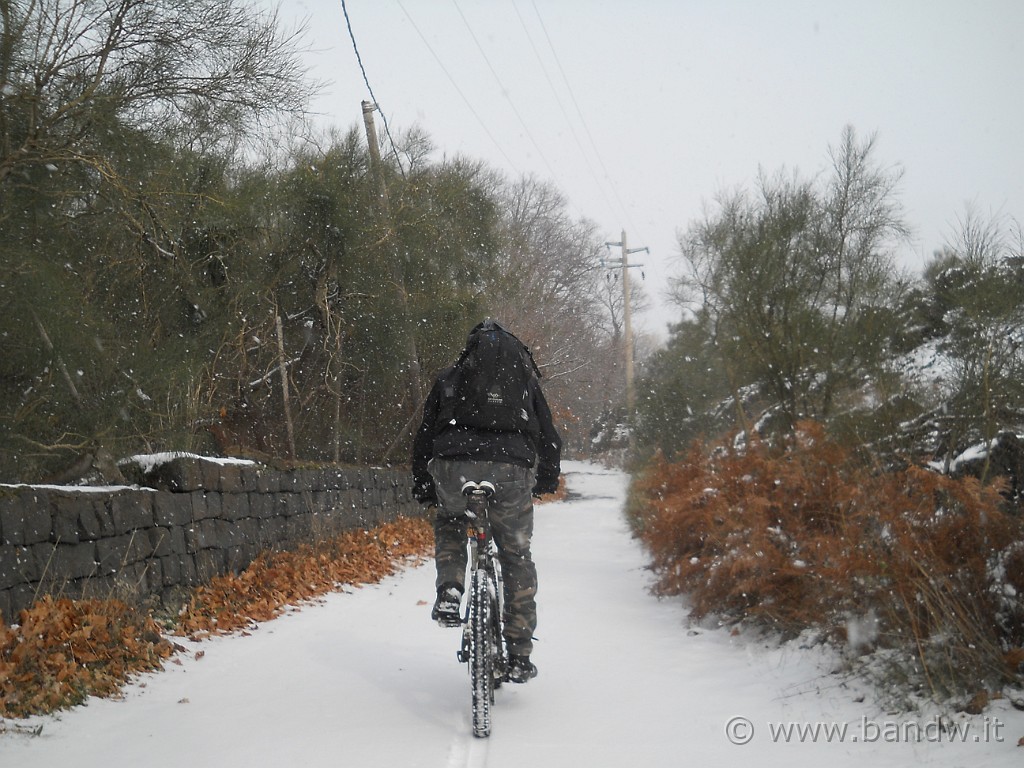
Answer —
61 651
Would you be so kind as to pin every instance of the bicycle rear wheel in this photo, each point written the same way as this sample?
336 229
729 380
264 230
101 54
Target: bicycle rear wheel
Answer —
483 650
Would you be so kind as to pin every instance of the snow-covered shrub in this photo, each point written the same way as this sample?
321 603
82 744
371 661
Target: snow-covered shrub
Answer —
802 536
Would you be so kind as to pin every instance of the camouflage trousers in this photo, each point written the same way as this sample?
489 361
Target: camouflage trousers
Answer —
511 515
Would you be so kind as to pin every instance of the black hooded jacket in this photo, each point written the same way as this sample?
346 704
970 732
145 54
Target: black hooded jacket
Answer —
439 437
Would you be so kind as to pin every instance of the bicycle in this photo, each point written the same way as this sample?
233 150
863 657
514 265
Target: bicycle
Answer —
482 642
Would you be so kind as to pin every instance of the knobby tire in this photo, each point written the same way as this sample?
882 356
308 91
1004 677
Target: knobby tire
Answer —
482 651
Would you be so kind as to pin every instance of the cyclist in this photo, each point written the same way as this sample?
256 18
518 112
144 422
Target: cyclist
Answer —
487 419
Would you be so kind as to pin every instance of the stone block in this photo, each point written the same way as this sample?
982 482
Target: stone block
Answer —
268 481
225 478
273 531
299 527
154 575
352 499
210 563
308 480
403 495
65 508
181 475
111 554
245 531
281 505
36 520
238 558
291 481
235 506
202 535
250 474
206 505
12 528
170 571
172 509
131 511
117 553
21 596
260 505
334 479
74 561
300 503
189 572
17 566
317 501
168 541
329 501
373 498
227 533
94 519
129 583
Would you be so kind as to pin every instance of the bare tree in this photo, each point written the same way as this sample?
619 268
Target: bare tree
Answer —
203 70
546 285
545 275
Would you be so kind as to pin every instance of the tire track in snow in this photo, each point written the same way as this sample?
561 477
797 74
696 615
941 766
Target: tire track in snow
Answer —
466 750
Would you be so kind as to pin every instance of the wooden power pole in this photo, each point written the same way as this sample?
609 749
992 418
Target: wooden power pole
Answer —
624 264
411 354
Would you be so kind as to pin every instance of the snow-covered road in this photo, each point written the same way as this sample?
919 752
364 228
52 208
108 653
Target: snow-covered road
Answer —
364 679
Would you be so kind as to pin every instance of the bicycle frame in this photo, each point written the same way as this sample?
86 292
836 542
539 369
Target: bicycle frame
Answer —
483 554
482 641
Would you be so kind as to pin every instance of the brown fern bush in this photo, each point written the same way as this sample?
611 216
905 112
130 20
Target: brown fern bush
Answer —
800 537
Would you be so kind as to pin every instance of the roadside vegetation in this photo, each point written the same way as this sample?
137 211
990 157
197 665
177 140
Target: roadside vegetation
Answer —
914 574
834 447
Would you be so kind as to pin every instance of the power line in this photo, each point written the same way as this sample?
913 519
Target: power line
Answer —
366 79
602 184
561 106
579 112
504 90
458 90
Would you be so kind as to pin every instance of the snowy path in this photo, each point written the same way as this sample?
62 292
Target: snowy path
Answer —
363 679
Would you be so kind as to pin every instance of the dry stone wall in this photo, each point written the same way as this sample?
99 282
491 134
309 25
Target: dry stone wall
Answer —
183 520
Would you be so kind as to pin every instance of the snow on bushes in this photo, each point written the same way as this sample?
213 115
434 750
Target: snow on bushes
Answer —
911 564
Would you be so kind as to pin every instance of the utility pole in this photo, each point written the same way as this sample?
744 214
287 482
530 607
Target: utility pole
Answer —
623 263
411 354
375 163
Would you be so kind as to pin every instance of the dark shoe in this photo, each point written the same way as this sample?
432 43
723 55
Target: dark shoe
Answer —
446 607
520 669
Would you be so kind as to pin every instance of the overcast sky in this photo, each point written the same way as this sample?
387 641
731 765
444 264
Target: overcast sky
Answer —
641 111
